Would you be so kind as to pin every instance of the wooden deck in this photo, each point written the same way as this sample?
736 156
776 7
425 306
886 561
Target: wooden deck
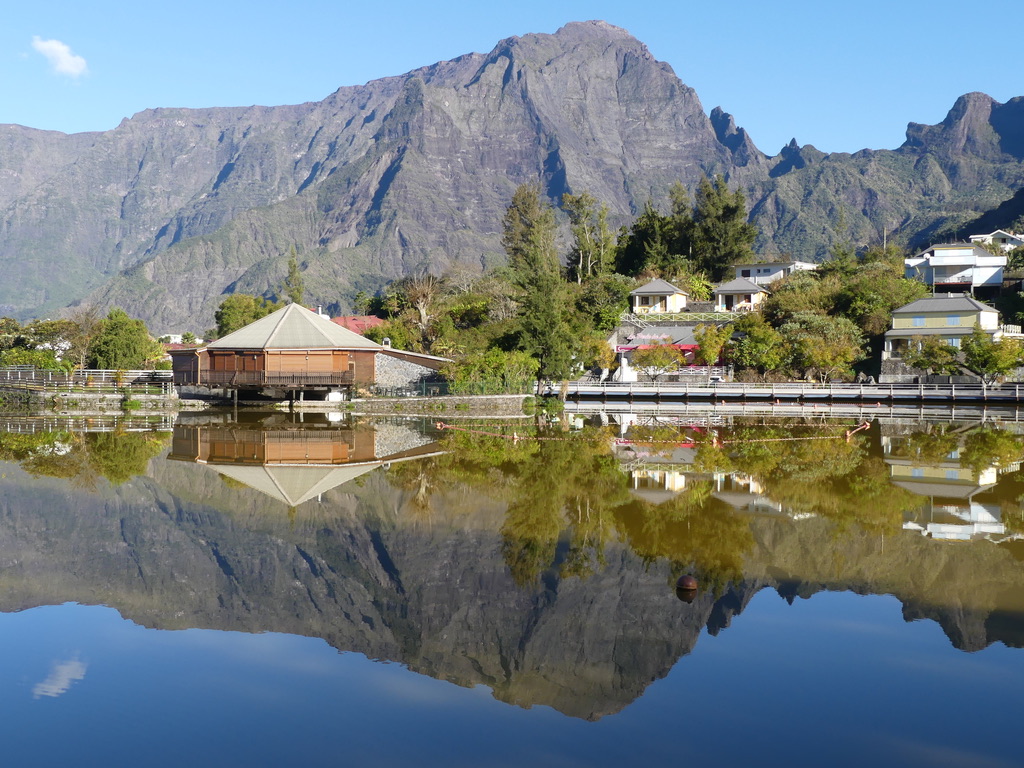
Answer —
667 392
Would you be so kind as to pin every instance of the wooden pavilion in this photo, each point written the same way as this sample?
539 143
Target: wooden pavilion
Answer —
293 350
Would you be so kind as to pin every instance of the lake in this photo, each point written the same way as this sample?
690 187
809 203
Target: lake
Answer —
323 590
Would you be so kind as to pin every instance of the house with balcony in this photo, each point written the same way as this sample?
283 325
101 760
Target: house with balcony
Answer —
298 352
739 295
1007 241
658 297
951 317
770 271
957 267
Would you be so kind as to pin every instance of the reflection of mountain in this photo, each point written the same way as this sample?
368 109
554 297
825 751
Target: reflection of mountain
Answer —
363 568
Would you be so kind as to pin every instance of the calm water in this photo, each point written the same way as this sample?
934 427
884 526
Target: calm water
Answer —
350 593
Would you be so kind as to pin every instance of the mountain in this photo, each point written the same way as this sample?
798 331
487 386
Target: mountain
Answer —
176 207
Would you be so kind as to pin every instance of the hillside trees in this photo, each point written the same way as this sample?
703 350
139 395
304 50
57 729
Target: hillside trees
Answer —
721 235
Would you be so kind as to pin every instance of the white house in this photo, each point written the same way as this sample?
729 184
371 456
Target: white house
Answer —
739 295
956 266
1005 240
770 271
657 297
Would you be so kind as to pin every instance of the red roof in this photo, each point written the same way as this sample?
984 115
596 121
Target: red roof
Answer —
358 323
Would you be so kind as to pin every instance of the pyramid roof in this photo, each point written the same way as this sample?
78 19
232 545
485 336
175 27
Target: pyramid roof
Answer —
293 327
657 288
740 285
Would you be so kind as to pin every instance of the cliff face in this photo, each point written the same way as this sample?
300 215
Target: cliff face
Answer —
174 207
366 571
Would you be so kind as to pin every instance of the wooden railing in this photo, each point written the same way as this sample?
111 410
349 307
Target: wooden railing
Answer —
272 379
138 382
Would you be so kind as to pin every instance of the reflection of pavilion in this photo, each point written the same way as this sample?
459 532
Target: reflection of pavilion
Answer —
295 463
951 511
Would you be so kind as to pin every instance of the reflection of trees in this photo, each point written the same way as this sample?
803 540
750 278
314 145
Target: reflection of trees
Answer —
693 529
991 446
82 458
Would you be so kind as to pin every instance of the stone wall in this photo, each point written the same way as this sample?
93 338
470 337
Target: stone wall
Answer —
393 373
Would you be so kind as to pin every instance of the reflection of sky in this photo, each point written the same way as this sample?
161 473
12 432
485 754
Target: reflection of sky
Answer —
838 679
61 677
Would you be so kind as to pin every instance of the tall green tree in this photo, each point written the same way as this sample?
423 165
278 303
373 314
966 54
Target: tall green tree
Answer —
123 343
543 319
722 236
240 309
593 242
294 284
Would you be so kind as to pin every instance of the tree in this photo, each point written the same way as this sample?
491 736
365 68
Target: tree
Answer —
593 243
529 240
823 346
294 285
87 324
931 354
655 360
123 344
656 243
240 309
722 236
188 338
712 340
988 358
757 346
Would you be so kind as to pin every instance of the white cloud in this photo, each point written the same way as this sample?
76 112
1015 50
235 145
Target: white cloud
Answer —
60 679
59 54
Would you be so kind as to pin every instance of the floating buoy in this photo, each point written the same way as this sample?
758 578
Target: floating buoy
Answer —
687 582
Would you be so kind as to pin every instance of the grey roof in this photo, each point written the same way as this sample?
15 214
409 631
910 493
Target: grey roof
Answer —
948 303
293 327
955 330
740 285
293 485
657 288
679 334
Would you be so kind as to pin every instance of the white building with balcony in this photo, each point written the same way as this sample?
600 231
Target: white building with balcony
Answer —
770 271
1005 240
960 267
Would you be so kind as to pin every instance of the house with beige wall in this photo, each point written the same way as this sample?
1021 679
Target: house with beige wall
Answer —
951 317
657 297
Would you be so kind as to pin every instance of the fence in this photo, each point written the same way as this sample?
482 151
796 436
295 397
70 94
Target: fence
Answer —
270 379
28 378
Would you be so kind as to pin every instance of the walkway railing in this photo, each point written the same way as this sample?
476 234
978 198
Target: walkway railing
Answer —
134 382
734 391
273 379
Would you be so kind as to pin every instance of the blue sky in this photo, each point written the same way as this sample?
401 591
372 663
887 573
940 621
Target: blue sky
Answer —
841 76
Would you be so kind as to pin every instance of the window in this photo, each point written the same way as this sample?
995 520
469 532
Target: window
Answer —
952 319
919 322
645 301
744 273
952 474
916 472
954 342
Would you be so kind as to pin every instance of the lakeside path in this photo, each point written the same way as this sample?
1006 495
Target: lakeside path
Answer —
667 392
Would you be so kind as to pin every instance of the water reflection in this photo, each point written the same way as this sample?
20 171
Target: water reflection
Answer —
295 461
545 569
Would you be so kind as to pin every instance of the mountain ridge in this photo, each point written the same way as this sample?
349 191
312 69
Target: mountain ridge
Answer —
176 207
